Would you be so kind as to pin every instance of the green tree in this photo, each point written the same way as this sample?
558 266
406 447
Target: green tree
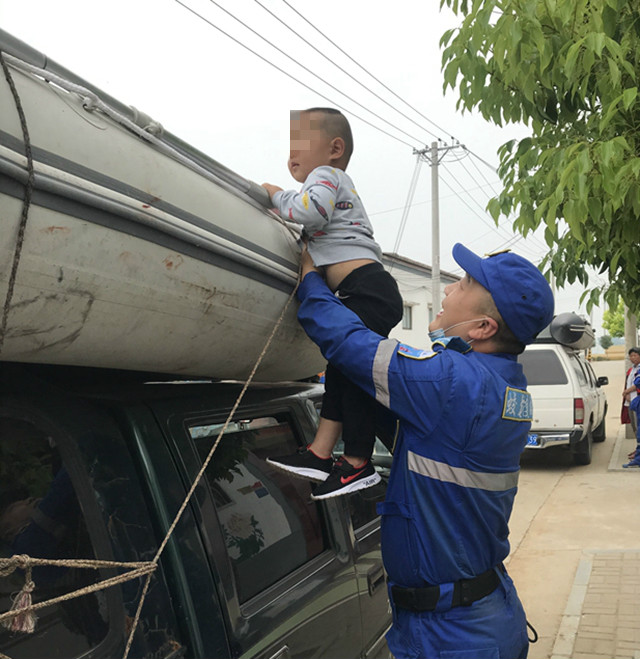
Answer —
606 341
613 320
569 70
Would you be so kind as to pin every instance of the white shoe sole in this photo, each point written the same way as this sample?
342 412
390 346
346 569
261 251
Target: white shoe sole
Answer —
361 484
301 472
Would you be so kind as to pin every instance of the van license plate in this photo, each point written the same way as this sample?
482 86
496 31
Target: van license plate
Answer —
532 440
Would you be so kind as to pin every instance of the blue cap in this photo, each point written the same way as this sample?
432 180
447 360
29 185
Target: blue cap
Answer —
521 293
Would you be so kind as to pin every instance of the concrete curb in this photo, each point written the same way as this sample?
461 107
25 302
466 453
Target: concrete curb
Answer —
567 632
566 637
622 448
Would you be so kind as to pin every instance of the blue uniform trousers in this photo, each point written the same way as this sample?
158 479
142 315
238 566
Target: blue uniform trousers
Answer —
493 627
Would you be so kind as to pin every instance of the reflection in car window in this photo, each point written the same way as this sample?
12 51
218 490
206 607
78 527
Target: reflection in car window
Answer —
542 367
270 524
40 516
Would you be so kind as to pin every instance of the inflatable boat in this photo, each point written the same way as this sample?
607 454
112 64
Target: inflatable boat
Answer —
123 247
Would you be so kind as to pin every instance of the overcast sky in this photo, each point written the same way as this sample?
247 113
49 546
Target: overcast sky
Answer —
207 89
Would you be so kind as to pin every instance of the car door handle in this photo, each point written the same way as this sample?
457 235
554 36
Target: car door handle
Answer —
375 578
282 653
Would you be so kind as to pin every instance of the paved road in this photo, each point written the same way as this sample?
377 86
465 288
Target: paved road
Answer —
568 521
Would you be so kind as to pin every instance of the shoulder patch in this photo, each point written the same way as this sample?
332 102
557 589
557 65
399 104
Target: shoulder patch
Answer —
518 405
414 353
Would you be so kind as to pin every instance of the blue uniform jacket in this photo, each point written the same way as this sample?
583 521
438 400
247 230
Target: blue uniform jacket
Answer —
464 420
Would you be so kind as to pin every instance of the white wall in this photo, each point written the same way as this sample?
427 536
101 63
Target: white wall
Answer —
414 282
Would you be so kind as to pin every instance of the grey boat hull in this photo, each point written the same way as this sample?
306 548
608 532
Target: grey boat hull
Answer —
131 260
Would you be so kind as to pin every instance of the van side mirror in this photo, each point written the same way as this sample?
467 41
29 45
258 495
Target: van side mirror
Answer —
602 380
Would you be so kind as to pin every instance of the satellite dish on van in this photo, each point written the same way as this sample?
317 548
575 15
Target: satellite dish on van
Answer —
572 331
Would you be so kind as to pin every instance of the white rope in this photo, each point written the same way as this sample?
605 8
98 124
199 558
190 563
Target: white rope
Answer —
92 102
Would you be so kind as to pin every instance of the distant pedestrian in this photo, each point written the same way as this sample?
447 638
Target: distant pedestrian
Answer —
630 392
634 407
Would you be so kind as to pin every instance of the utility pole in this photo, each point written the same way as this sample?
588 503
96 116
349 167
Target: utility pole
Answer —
434 156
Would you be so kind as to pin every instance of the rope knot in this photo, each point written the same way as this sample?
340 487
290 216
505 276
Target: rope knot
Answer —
23 618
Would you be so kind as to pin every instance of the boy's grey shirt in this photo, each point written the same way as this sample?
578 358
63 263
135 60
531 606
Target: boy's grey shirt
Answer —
334 218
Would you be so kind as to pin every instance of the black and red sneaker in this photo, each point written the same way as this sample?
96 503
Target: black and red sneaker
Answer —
344 479
305 464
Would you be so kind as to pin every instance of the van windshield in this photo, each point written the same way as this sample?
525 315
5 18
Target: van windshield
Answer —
542 367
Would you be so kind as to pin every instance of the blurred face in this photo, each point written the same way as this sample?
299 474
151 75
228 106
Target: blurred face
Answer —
309 145
634 358
463 302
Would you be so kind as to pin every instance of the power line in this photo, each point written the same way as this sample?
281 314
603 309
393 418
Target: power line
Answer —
405 214
482 160
363 68
473 162
308 70
275 66
338 66
482 218
496 227
422 203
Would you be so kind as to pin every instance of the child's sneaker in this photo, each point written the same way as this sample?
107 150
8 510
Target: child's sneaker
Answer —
305 464
632 465
344 479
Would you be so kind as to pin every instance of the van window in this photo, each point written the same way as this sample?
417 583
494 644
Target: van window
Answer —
577 367
40 516
542 367
270 524
590 374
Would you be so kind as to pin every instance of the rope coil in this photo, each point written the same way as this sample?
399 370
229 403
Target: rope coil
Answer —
21 617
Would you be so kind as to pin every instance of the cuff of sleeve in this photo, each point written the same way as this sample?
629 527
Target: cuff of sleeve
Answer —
312 280
275 199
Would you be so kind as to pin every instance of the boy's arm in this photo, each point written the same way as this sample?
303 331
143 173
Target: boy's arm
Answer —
313 206
411 388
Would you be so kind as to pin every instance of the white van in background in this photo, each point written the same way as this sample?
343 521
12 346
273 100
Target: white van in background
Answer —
569 405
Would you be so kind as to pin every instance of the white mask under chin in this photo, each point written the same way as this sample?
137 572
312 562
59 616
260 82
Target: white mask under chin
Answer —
440 333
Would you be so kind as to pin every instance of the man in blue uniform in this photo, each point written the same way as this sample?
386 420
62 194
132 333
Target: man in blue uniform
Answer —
464 414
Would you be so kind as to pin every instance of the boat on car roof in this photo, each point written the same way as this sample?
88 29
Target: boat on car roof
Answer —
139 251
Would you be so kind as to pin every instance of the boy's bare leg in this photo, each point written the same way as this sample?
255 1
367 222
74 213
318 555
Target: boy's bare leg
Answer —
354 461
325 440
326 437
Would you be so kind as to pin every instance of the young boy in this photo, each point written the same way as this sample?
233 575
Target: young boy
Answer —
340 242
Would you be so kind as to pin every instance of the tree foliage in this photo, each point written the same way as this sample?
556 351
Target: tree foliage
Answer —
613 320
569 70
606 341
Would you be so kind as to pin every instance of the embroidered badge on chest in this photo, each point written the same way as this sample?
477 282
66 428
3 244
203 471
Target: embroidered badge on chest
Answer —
517 405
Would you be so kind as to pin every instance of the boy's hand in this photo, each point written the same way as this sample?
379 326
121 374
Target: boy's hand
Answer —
271 189
306 262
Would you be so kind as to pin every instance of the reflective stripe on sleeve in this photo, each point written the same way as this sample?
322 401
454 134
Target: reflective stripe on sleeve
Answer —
380 371
464 477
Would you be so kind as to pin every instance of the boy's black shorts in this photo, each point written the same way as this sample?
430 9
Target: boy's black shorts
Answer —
372 293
